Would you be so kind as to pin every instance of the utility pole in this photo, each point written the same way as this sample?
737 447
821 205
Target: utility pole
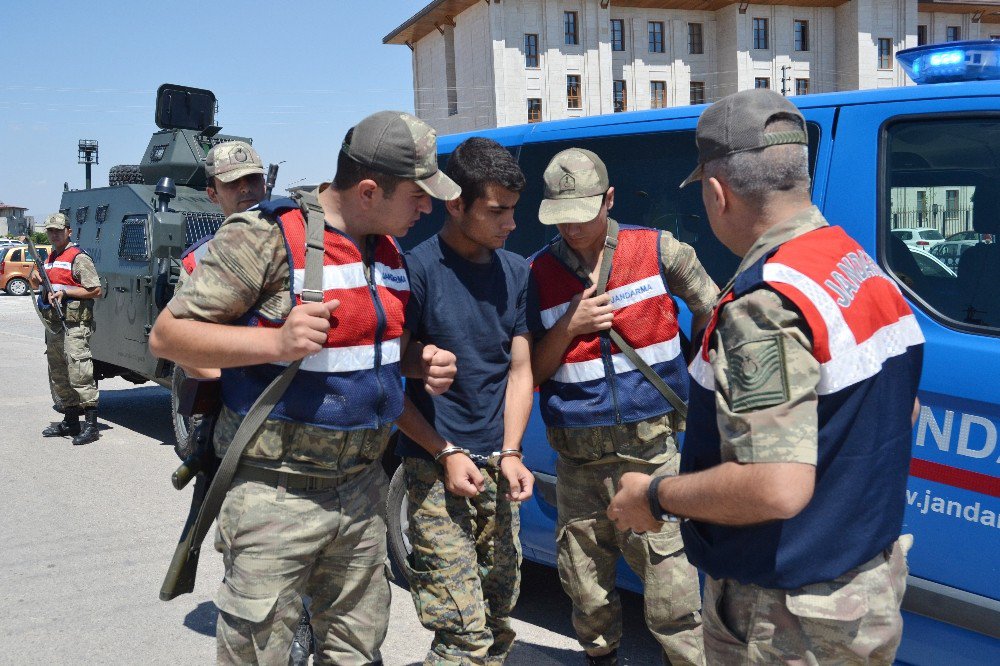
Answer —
87 155
784 79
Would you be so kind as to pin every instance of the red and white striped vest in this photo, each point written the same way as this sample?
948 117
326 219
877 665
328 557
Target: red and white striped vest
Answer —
596 384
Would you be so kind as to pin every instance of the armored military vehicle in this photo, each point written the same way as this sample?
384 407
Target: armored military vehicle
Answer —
136 229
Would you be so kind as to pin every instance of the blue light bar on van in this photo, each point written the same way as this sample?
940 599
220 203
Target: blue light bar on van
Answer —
974 60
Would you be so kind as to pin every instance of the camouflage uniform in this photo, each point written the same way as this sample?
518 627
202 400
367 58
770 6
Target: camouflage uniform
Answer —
852 619
71 367
466 569
278 544
591 460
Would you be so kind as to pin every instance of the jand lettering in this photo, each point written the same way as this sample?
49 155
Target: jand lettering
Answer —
855 268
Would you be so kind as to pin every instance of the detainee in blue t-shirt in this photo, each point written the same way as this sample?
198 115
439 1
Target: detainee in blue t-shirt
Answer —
465 477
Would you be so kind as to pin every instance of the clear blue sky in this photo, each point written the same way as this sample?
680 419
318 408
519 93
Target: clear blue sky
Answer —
292 75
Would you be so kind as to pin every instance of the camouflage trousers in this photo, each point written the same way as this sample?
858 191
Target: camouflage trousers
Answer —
278 545
465 570
588 547
853 619
71 367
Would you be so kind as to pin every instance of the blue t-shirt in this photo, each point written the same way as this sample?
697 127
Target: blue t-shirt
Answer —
474 311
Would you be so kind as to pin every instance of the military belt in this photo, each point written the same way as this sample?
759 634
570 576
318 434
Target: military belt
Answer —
288 481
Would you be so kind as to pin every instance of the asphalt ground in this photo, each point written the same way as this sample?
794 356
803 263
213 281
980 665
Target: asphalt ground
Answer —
87 532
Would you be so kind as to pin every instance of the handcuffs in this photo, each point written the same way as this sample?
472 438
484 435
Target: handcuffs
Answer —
479 459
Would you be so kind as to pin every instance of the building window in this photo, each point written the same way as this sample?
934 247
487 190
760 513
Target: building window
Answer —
534 110
953 33
760 33
802 35
884 53
531 50
573 91
696 43
762 82
617 34
656 36
570 28
449 71
801 86
657 94
697 92
620 96
921 35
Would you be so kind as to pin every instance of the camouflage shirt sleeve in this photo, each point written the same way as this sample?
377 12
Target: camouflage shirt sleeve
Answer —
85 272
245 265
685 275
766 377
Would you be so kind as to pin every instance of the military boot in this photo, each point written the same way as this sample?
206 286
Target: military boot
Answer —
302 645
609 659
89 433
69 426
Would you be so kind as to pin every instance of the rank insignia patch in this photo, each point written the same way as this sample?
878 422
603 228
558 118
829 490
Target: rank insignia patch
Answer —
756 375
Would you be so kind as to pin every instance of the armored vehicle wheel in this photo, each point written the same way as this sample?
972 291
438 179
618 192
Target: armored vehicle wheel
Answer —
181 423
125 174
397 522
18 287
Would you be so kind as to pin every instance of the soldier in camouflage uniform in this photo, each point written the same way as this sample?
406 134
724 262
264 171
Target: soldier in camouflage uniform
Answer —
304 514
465 481
605 418
803 397
75 285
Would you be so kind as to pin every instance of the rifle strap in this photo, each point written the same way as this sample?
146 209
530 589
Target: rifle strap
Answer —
313 292
610 243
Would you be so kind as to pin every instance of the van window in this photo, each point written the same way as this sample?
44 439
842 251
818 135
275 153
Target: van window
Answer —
645 170
942 180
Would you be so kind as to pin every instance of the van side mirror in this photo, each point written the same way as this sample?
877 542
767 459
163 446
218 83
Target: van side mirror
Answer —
167 236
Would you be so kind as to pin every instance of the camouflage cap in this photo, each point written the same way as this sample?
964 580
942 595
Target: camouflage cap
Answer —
575 183
56 221
398 144
231 160
737 123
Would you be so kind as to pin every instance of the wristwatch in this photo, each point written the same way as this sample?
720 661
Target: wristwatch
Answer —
652 495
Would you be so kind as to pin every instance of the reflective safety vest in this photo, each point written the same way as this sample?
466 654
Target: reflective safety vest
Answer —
191 256
870 349
59 268
354 382
596 384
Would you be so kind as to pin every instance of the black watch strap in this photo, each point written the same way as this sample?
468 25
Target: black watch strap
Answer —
652 494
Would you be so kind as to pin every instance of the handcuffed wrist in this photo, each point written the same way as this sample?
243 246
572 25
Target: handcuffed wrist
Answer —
448 450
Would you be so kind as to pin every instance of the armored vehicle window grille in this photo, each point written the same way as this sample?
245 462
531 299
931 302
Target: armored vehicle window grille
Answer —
81 215
101 214
65 211
134 245
200 225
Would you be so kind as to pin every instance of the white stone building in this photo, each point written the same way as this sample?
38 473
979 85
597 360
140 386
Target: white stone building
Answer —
489 63
13 221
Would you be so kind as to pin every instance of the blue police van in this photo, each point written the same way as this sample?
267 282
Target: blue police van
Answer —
885 164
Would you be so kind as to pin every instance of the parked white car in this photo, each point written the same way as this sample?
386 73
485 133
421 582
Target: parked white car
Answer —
922 237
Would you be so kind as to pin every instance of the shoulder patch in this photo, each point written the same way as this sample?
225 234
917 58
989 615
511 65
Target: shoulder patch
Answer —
756 373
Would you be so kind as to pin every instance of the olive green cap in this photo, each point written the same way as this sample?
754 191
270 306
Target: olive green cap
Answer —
401 145
575 183
737 122
231 160
56 221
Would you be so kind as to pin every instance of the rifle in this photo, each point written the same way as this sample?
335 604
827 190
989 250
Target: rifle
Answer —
46 285
198 398
272 176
